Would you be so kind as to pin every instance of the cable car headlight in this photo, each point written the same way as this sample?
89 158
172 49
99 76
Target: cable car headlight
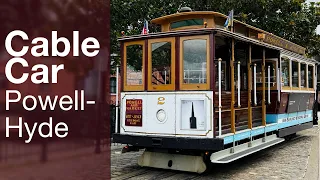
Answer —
161 115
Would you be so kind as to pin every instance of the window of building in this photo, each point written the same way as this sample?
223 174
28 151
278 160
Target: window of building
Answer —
161 64
134 61
310 76
295 74
285 68
188 22
303 74
113 85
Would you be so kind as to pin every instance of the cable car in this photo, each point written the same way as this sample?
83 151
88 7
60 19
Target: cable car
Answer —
198 93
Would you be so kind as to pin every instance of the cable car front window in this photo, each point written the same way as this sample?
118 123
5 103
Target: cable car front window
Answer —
195 61
134 66
161 63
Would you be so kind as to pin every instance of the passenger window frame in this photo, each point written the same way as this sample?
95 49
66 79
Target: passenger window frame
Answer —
289 75
163 87
305 78
133 87
313 79
204 86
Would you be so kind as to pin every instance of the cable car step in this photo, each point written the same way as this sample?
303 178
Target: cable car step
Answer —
232 154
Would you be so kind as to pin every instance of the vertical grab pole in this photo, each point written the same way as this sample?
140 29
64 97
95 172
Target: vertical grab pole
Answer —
219 79
239 105
117 97
263 69
269 101
278 83
255 84
233 128
250 95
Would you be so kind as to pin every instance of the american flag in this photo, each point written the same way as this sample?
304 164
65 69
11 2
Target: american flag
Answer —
145 29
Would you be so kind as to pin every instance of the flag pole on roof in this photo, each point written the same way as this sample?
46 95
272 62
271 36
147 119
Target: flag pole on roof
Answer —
229 21
145 29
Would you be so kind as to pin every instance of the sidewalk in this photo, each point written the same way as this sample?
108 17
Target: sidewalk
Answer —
313 168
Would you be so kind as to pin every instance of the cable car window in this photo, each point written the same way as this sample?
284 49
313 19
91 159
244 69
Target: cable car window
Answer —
188 22
161 63
133 59
195 61
285 68
295 74
310 76
134 65
303 75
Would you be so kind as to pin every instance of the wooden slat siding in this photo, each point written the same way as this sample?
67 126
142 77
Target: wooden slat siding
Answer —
274 106
241 119
283 103
256 113
122 66
226 99
241 116
264 123
249 89
177 63
146 59
311 101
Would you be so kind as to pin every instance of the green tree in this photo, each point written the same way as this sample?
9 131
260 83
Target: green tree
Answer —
293 20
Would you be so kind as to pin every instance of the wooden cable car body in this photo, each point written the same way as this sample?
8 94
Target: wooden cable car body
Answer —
180 102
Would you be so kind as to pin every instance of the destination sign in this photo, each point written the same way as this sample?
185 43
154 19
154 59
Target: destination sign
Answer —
271 39
133 112
288 119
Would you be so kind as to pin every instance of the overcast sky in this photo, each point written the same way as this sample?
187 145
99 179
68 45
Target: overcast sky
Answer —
318 29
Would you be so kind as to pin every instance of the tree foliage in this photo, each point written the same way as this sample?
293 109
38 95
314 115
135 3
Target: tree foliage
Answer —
293 20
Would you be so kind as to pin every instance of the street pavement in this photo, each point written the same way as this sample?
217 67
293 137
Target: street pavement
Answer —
294 159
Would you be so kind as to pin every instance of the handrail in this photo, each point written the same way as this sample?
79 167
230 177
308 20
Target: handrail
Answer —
269 100
239 105
255 84
278 83
117 98
219 79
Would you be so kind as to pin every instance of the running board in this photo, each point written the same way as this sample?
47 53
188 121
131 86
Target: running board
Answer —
232 154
